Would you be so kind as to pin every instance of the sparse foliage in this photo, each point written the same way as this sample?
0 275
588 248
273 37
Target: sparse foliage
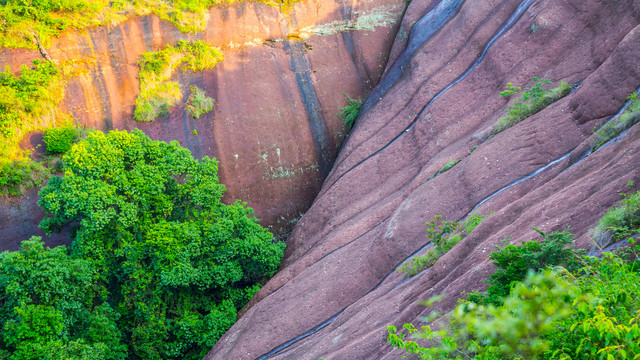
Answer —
157 93
444 235
198 103
530 101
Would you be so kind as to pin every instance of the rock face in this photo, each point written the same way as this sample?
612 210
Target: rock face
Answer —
337 289
275 128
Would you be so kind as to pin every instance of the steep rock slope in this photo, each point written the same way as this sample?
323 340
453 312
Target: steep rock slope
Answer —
338 289
275 128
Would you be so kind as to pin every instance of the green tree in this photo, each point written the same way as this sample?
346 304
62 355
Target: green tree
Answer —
52 306
178 262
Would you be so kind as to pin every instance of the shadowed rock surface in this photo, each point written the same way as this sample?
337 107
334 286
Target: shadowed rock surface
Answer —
337 289
275 127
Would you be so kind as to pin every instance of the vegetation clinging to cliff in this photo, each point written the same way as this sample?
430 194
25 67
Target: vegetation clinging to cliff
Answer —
158 267
443 235
619 222
28 100
629 117
350 111
530 101
157 94
198 103
27 23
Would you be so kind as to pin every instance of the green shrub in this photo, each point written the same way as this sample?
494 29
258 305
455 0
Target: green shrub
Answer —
531 100
444 235
157 93
619 222
510 331
59 140
514 262
613 128
606 323
198 103
350 111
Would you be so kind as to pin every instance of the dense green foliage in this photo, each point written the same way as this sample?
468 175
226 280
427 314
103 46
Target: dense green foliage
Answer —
25 22
592 312
629 117
20 174
157 93
531 100
158 267
350 111
198 103
444 235
514 262
54 306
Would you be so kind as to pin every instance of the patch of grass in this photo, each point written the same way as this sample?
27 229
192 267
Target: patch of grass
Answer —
613 128
449 165
444 235
619 222
27 23
157 93
350 111
446 167
531 100
198 103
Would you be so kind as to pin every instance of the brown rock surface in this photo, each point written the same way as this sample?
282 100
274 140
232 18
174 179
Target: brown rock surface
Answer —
337 289
274 129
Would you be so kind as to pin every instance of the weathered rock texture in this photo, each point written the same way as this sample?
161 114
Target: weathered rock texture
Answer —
275 128
338 289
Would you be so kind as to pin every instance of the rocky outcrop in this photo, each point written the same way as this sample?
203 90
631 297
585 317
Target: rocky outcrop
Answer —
337 289
275 128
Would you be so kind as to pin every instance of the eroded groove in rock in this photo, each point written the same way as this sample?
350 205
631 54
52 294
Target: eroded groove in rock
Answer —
302 69
284 346
420 33
524 5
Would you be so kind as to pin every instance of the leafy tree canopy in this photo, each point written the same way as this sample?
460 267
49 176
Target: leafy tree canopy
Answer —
174 262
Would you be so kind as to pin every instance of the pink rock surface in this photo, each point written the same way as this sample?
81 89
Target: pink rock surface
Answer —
337 289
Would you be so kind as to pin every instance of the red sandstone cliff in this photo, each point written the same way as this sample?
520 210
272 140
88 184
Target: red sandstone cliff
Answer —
338 289
275 128
276 133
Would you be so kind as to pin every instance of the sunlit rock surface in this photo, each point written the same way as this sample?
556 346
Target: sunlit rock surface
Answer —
275 127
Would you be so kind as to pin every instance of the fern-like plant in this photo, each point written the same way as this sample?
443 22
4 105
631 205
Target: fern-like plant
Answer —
350 111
